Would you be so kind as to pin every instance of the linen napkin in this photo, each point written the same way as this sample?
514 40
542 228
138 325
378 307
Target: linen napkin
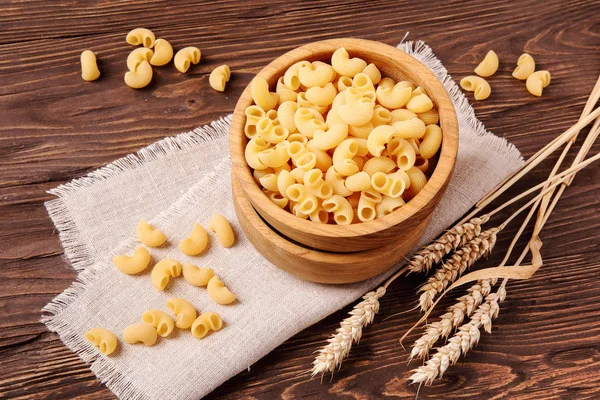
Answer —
184 180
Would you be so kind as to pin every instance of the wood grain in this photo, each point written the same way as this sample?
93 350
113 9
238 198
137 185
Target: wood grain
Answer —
402 226
54 127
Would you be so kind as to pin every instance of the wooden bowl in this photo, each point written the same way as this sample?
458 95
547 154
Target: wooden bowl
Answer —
403 225
309 264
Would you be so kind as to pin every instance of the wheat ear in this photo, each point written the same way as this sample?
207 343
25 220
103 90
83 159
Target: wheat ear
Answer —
464 340
458 236
331 356
462 259
453 318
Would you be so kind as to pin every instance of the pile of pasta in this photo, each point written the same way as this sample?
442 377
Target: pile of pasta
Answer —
340 143
155 322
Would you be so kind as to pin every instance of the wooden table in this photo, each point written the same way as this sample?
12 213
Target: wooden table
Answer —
55 127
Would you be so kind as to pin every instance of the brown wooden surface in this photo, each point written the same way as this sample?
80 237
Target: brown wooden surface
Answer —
401 226
54 127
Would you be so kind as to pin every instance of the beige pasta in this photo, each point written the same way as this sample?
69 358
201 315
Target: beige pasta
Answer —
140 77
206 323
402 114
403 151
418 180
372 195
343 157
378 138
257 174
284 181
392 186
393 97
140 333
525 67
103 339
149 235
363 83
430 117
488 66
89 66
196 242
366 209
184 311
478 85
259 89
343 213
412 128
344 83
346 66
358 113
331 137
142 36
298 174
269 181
322 159
358 182
388 205
197 276
286 113
219 77
160 320
138 55
381 116
275 156
303 197
378 164
303 102
185 57
255 146
218 292
285 93
133 264
315 74
362 131
422 163
419 104
163 53
307 121
163 271
280 200
321 95
253 114
314 182
373 73
268 128
432 140
291 78
537 81
221 227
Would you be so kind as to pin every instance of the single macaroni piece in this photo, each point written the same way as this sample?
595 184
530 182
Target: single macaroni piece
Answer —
331 137
422 163
357 113
388 205
419 104
103 339
285 115
361 131
253 115
295 210
323 159
133 264
403 151
279 199
378 138
430 117
358 182
259 89
89 66
371 194
378 164
221 227
141 36
284 181
315 74
184 311
206 323
269 181
389 185
319 215
197 276
488 66
344 83
432 140
140 333
346 66
218 292
338 183
275 156
366 209
196 242
525 67
343 157
301 157
284 92
412 128
402 114
321 95
303 102
381 116
138 55
343 214
307 121
298 137
291 78
270 131
478 85
362 82
163 271
163 53
255 146
149 235
140 77
219 77
185 57
299 194
400 174
257 174
160 320
537 81
298 175
393 97
418 180
314 182
373 73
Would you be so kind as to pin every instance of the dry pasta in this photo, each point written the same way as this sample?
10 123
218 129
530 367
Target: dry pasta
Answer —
219 77
366 209
89 66
163 271
322 159
432 140
140 77
138 55
163 53
197 276
196 242
488 66
206 323
141 36
321 95
140 333
378 164
315 74
218 292
160 320
403 152
341 209
525 67
103 339
330 138
185 57
419 104
280 200
373 73
314 182
184 311
378 138
346 66
221 227
537 81
259 89
285 115
358 182
388 205
417 181
149 235
133 264
478 85
291 78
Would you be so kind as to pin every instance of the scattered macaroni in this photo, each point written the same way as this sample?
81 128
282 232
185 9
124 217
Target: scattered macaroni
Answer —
219 77
140 77
163 53
102 338
140 333
488 66
196 242
344 65
141 36
163 271
138 55
197 276
537 81
89 66
149 235
259 89
218 292
160 320
185 57
478 85
525 67
184 312
133 264
206 323
221 227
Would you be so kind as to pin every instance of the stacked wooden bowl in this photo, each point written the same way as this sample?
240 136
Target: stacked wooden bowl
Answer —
333 253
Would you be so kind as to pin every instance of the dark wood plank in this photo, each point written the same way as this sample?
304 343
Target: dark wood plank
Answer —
55 127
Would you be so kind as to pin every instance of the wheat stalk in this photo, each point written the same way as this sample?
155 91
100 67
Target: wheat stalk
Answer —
464 340
458 236
461 260
331 356
454 317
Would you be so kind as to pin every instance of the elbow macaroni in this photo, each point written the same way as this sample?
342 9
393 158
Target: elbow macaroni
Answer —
140 333
218 292
105 340
149 235
133 264
136 57
184 311
478 85
89 66
346 66
537 81
140 77
196 242
163 53
197 276
160 320
206 323
219 77
185 57
221 227
163 271
488 66
525 67
141 36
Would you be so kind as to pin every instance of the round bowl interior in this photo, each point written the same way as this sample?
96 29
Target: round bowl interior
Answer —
398 225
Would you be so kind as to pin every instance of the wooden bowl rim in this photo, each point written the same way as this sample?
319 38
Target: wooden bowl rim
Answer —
435 184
